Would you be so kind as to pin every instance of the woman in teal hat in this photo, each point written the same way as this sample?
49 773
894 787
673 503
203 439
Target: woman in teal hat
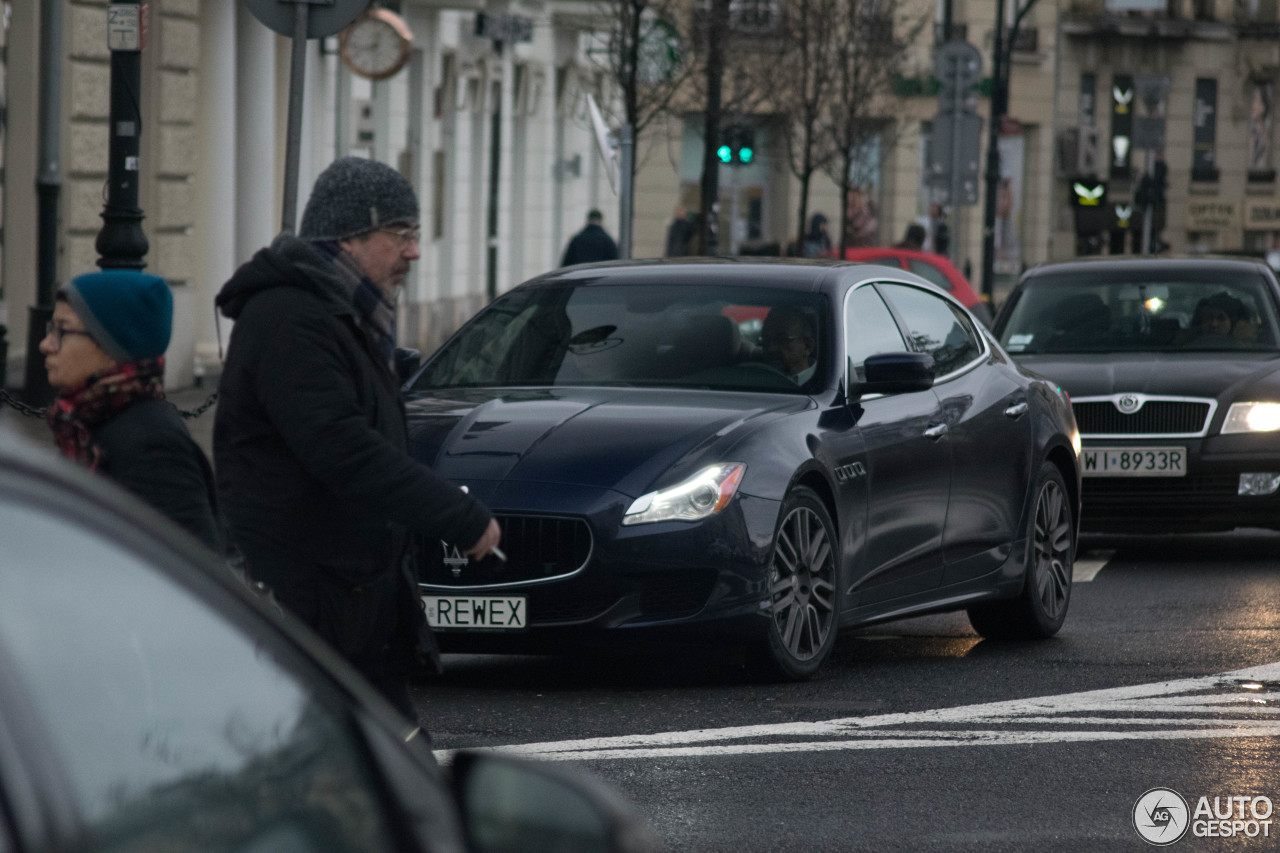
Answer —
104 353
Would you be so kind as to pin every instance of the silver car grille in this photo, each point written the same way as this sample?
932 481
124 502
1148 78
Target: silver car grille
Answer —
1132 415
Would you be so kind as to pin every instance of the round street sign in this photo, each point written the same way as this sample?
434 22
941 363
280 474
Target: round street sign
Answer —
324 17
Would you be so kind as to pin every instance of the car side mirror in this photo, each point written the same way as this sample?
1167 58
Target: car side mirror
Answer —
407 363
897 373
511 805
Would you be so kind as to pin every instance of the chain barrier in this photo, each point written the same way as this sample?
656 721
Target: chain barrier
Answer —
30 411
39 412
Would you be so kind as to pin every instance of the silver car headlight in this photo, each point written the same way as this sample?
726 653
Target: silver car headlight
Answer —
1252 417
702 495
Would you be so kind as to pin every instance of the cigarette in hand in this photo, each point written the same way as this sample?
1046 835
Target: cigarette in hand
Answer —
497 552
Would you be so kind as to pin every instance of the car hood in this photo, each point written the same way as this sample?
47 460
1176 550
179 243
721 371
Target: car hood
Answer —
1160 374
615 438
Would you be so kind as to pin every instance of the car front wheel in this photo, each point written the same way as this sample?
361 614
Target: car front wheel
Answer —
1041 608
803 590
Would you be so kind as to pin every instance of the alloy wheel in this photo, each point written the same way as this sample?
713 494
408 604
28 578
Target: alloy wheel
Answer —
1051 571
802 584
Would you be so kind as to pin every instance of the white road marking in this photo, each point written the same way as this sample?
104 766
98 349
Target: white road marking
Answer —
1087 569
1237 704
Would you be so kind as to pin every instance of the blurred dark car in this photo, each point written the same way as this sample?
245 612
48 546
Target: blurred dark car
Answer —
929 266
656 475
150 701
1173 367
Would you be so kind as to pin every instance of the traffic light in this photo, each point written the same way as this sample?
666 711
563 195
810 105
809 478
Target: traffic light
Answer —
1093 214
738 148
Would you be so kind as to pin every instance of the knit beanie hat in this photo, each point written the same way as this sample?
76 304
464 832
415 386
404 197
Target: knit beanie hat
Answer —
128 313
354 196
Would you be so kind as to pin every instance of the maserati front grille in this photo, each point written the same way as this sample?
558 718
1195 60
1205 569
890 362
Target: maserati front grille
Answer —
538 548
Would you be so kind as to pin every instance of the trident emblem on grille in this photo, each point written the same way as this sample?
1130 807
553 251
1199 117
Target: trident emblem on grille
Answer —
453 558
1129 403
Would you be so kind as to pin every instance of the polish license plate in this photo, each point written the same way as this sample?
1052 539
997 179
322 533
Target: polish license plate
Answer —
1134 461
484 612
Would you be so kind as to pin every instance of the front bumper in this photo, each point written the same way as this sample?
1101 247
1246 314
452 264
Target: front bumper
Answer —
681 578
1207 498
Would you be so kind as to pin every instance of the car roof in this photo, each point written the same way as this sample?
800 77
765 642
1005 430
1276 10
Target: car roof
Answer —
1170 263
785 273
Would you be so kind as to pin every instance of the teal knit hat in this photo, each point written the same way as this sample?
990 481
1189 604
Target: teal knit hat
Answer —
129 313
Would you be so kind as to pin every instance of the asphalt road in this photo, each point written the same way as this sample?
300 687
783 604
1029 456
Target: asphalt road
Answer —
921 736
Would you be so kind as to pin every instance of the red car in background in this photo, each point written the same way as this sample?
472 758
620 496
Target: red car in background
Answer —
934 268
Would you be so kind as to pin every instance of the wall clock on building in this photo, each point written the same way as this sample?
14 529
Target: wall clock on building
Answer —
376 45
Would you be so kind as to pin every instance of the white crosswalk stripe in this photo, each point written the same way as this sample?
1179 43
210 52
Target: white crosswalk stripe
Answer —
1238 704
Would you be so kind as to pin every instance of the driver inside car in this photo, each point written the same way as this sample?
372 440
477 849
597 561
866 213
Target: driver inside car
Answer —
789 341
1219 320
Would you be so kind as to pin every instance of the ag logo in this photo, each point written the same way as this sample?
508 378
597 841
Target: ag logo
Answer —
1160 816
1128 403
453 559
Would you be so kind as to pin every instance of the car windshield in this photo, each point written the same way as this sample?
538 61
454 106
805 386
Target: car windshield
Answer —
1209 310
669 335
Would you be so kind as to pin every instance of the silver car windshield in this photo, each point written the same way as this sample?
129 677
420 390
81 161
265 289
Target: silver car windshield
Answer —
1072 313
669 335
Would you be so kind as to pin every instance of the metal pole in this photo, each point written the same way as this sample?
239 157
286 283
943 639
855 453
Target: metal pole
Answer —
293 138
993 158
627 158
1148 169
495 177
35 386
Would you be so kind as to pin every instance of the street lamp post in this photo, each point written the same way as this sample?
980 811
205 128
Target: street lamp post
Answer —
121 243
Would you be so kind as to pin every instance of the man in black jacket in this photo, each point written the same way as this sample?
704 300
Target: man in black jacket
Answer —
310 443
590 244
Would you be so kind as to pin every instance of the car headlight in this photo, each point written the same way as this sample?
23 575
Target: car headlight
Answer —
1252 417
704 494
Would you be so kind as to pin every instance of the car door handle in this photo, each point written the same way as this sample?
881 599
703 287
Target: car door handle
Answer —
1017 410
935 432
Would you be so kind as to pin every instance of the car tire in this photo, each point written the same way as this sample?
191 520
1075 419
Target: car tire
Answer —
803 591
1041 607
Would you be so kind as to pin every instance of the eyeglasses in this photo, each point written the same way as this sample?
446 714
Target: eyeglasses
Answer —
60 332
408 234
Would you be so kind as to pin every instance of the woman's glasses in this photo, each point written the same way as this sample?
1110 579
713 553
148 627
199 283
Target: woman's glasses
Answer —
60 332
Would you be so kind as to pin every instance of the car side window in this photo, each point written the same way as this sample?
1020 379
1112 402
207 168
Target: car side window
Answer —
935 326
869 328
197 737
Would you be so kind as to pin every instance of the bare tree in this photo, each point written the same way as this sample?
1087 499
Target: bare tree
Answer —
870 46
802 86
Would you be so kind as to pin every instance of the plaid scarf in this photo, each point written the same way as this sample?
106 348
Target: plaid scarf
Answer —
81 409
375 314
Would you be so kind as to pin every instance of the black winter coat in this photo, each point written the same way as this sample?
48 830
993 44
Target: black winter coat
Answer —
590 244
147 449
310 442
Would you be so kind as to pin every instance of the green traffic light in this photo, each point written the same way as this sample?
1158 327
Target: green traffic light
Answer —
725 154
745 154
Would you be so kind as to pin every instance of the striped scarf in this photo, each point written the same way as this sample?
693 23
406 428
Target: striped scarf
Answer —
375 314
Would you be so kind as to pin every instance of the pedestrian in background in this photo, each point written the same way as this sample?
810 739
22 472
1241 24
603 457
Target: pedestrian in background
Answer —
679 233
913 238
104 353
817 243
310 441
590 244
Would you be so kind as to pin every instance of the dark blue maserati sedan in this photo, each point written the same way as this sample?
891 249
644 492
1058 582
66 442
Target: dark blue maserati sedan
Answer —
758 452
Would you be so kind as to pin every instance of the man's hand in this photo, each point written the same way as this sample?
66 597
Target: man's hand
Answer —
487 542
